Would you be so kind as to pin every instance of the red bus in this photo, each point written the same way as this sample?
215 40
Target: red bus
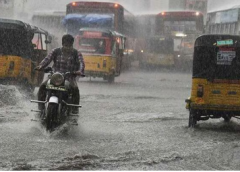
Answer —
179 22
184 27
99 15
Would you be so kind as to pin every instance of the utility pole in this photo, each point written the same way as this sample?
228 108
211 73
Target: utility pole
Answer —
146 5
6 8
24 5
177 4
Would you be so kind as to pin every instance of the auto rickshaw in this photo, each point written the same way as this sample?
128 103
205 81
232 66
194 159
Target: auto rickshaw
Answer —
22 47
102 51
215 79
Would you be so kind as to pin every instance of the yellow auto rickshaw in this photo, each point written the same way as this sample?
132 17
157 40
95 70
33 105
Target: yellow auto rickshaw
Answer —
102 51
22 47
215 79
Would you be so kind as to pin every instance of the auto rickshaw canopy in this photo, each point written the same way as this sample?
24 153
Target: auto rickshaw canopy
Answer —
16 37
217 57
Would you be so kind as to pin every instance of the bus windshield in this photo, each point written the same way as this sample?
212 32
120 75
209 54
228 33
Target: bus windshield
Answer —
179 26
92 45
187 44
74 22
162 45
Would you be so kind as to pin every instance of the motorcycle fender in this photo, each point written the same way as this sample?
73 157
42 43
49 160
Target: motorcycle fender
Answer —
48 82
53 99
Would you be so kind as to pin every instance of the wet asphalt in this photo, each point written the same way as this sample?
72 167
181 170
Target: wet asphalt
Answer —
137 123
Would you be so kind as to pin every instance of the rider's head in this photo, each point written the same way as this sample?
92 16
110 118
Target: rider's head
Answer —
67 40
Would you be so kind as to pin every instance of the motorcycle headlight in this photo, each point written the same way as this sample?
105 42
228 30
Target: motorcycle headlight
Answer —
57 79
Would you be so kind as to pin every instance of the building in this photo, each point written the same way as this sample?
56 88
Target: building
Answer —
214 5
196 5
224 21
191 5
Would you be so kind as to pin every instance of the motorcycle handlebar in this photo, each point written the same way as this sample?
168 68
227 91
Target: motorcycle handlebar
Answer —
72 73
49 70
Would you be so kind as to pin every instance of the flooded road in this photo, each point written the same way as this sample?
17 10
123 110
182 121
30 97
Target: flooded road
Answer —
137 123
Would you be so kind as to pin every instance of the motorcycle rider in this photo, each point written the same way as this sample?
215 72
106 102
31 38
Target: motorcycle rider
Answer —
65 59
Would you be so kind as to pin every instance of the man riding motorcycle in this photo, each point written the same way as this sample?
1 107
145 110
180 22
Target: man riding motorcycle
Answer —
65 59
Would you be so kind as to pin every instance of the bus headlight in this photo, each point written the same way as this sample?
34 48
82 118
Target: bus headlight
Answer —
57 79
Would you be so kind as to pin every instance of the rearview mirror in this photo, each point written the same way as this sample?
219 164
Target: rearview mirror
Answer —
47 41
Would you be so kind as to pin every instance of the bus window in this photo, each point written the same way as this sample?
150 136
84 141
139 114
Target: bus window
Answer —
101 47
233 28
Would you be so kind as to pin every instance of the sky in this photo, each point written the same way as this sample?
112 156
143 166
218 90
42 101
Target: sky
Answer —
134 6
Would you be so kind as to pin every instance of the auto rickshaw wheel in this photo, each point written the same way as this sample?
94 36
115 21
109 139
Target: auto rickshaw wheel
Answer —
192 119
227 118
105 78
141 65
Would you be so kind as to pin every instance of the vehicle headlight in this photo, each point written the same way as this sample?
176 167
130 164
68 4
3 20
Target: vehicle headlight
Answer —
57 79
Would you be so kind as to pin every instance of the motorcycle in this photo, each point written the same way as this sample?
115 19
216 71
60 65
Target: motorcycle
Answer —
58 103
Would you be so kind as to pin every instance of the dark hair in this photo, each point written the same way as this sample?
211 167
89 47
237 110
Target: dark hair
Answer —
67 39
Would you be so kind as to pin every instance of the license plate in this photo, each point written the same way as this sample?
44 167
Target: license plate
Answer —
225 57
56 88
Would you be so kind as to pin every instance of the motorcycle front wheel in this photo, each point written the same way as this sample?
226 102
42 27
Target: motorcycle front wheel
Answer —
52 111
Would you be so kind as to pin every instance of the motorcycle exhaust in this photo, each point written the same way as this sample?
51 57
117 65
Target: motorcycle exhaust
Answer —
36 101
72 105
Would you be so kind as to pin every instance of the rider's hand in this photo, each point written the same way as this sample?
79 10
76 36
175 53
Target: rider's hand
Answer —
77 73
38 67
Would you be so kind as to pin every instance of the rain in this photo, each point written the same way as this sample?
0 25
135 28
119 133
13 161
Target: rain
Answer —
159 85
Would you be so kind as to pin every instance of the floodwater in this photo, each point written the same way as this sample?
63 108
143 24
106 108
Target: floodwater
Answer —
137 123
